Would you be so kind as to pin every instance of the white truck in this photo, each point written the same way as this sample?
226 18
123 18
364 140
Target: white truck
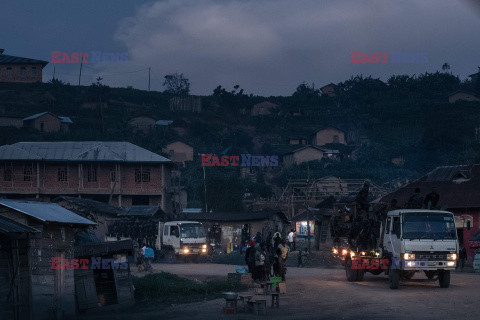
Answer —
410 241
181 239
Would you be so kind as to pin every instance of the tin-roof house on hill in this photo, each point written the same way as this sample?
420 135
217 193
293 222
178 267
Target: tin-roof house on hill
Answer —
19 69
47 122
45 231
119 173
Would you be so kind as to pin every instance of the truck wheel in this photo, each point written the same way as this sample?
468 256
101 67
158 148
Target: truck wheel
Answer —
393 278
444 278
351 273
376 272
407 275
360 275
170 257
430 274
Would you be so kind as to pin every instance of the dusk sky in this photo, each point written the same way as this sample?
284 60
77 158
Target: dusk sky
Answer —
268 47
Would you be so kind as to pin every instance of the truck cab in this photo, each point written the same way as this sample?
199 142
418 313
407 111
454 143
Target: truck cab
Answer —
420 240
181 239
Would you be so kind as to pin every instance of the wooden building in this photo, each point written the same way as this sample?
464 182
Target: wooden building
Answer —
186 103
101 213
15 269
104 289
45 292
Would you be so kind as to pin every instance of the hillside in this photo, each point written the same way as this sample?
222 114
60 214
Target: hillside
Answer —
407 117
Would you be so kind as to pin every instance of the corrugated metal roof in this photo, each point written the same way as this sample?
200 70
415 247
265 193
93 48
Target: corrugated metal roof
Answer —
141 211
46 212
90 204
9 226
65 119
234 216
62 119
80 151
7 59
164 122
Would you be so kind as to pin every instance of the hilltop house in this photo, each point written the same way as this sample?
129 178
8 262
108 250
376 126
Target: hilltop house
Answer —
186 103
19 69
329 90
308 153
263 108
119 173
142 123
327 135
462 95
47 122
179 151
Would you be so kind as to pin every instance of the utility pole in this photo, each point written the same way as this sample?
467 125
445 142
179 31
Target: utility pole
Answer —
205 189
149 80
308 229
80 74
53 78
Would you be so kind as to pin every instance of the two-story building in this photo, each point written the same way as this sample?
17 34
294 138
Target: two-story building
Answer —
19 69
119 173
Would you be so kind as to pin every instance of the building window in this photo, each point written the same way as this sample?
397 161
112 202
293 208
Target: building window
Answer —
92 174
8 174
113 176
9 72
62 174
336 139
27 173
142 175
34 71
23 72
42 126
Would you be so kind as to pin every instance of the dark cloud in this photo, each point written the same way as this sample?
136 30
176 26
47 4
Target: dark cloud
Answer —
267 47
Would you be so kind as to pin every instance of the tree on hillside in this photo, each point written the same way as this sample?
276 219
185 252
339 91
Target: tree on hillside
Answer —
445 67
177 84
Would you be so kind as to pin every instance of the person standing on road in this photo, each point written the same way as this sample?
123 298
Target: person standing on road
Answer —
462 256
259 263
139 257
250 257
284 249
291 240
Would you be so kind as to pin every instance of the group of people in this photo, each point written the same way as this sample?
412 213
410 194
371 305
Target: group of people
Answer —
267 258
144 256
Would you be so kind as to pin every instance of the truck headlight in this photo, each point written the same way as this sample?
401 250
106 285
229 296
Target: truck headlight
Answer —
335 251
452 256
204 246
451 264
344 252
186 250
204 250
352 254
408 256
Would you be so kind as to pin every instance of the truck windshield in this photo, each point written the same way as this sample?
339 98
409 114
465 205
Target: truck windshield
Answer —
192 230
428 226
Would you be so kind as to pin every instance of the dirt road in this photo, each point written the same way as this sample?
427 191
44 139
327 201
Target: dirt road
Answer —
316 293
